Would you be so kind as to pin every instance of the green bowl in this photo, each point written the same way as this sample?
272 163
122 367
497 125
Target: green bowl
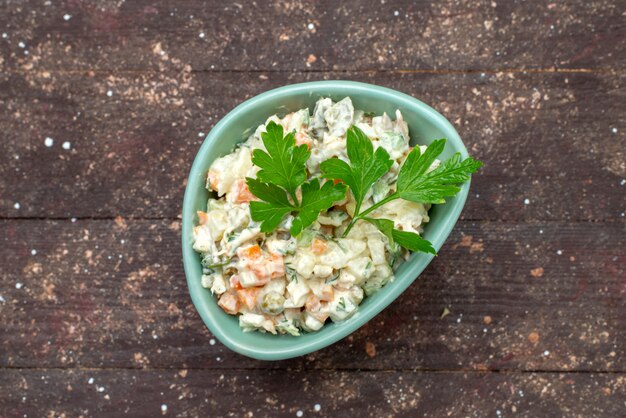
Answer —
425 125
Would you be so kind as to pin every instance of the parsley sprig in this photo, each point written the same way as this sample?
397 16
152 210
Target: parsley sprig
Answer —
282 174
415 182
282 179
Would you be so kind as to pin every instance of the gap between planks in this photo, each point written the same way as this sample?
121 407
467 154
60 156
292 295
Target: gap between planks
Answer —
550 70
324 369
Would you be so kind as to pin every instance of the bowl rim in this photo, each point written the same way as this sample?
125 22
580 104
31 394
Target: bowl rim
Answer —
357 321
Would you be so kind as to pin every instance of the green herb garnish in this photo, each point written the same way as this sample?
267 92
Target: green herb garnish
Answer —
414 182
283 171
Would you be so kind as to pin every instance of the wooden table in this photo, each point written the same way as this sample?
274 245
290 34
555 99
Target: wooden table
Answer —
104 104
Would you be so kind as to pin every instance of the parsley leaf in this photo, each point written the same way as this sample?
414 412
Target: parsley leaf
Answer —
284 163
409 240
415 184
412 241
283 171
366 166
274 207
314 200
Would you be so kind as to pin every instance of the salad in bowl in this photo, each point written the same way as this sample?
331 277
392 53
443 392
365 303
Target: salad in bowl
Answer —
315 211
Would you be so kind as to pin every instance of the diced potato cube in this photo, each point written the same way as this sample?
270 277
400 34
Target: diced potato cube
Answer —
361 268
305 264
251 321
377 250
311 323
203 240
207 280
219 285
249 279
322 272
346 280
298 291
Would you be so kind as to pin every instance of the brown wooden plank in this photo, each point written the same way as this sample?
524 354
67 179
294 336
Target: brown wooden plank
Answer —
544 296
191 393
555 139
356 35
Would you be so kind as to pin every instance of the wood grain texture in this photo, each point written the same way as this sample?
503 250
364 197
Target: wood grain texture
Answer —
96 316
544 296
276 35
282 393
555 139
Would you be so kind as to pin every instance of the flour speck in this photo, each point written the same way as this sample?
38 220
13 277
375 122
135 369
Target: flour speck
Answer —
48 142
212 341
559 252
16 205
19 285
163 408
317 407
527 201
299 413
202 35
310 26
67 17
90 381
110 93
33 252
396 13
21 44
66 145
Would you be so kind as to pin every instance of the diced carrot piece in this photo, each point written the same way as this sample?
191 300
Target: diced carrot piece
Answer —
276 266
318 246
234 282
302 138
312 304
328 293
285 121
337 181
320 316
212 179
244 195
248 297
229 303
251 252
260 270
203 217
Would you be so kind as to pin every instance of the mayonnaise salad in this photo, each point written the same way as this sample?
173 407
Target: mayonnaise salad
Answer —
282 284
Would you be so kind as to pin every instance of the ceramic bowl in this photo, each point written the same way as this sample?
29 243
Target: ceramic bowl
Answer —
425 125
